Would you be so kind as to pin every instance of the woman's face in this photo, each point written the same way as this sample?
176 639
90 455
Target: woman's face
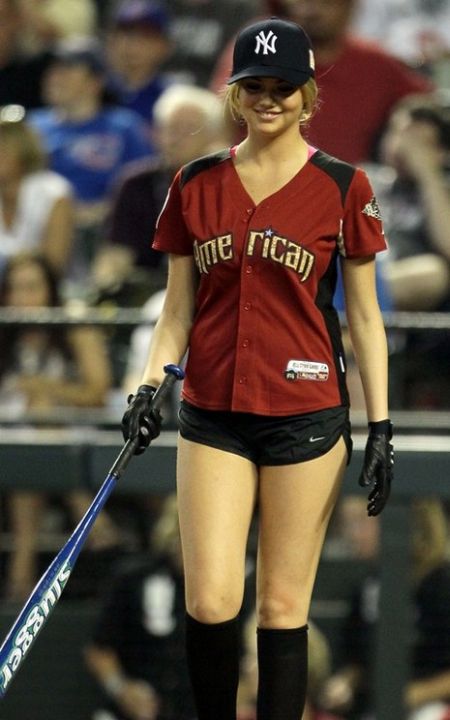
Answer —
27 286
137 50
183 135
270 105
64 84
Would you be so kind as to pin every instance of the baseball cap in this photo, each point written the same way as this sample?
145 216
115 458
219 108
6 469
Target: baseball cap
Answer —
273 48
80 51
148 13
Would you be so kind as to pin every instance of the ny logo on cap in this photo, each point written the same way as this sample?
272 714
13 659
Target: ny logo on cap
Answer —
266 43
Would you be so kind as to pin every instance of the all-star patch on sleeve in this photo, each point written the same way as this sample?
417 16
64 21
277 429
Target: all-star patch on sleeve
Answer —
362 228
171 233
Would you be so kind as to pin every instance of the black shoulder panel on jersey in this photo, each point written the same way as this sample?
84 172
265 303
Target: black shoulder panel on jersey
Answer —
206 162
341 172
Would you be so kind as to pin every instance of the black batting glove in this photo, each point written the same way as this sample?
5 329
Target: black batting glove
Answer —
378 465
140 420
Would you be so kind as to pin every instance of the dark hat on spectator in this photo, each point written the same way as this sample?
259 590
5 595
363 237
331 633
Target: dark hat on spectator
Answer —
80 51
152 14
273 48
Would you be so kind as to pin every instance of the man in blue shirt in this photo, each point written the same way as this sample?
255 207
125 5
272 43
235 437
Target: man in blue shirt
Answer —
87 142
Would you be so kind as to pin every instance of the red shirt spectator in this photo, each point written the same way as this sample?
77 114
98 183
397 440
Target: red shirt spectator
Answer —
358 92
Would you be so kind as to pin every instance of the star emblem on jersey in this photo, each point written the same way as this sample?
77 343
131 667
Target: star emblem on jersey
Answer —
265 42
268 232
372 209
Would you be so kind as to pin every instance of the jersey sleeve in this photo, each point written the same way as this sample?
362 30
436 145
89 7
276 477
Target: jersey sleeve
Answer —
362 229
171 233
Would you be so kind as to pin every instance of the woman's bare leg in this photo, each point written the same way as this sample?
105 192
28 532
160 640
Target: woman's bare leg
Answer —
216 496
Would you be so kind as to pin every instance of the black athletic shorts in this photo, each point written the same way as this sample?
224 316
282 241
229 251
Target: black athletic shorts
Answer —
267 440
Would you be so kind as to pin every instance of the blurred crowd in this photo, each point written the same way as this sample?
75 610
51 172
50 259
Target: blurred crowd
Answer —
101 101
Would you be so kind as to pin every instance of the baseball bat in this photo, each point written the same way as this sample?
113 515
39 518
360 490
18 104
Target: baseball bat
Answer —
48 589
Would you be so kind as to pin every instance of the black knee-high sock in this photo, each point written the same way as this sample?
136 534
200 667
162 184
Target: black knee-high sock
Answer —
212 653
282 666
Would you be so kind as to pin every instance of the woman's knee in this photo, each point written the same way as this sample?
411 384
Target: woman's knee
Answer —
213 606
282 608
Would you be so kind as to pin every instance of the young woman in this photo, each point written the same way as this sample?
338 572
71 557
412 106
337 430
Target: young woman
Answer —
40 369
253 235
36 207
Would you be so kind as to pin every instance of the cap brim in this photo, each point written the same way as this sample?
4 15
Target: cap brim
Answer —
67 61
288 74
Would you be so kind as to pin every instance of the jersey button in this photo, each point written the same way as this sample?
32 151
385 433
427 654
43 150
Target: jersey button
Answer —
245 343
249 269
242 380
247 306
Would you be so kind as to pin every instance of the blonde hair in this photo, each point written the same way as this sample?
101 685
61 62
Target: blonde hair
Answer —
309 92
23 139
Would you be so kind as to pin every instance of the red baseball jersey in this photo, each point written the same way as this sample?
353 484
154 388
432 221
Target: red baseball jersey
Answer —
266 338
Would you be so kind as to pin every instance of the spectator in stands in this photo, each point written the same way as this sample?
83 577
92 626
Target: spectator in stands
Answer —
138 44
20 75
87 142
427 694
200 30
417 31
413 189
36 208
42 369
137 649
188 123
48 21
359 83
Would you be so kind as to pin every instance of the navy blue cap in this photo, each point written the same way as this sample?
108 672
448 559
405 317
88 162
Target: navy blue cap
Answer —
148 13
273 48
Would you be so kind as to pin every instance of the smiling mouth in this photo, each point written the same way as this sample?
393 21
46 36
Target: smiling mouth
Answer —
267 114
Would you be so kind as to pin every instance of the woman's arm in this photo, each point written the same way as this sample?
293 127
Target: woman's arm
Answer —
136 697
171 335
427 690
367 334
58 238
426 166
93 370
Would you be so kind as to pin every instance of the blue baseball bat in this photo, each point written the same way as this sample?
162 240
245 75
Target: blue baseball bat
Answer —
48 590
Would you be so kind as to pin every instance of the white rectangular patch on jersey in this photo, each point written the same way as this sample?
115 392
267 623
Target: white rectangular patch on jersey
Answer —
306 370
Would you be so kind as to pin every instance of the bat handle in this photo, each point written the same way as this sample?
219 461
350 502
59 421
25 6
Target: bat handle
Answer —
173 373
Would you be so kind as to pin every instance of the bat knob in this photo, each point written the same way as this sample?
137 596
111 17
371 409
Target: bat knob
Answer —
174 370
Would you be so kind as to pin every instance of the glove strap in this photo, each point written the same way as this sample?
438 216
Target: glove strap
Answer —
146 390
381 427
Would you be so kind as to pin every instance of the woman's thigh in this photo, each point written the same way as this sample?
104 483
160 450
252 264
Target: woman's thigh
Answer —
216 497
295 505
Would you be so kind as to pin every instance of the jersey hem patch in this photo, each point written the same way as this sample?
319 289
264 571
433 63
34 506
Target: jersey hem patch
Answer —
306 370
